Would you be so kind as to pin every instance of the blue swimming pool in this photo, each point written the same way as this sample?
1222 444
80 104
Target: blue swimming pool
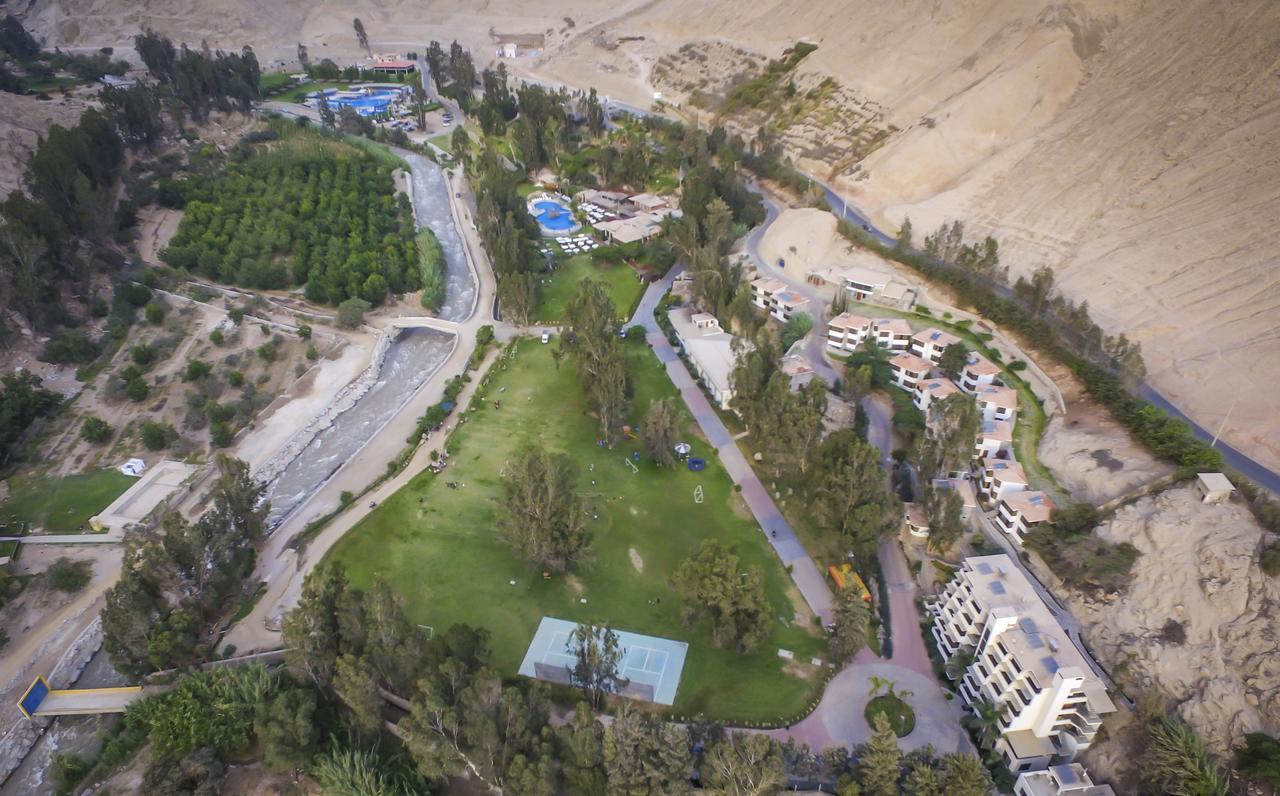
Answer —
366 102
553 215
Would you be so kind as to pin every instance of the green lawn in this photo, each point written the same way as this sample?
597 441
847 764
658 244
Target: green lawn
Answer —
436 545
621 283
62 505
443 141
272 80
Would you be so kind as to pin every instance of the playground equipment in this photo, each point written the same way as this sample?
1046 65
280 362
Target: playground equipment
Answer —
697 465
697 494
683 449
632 465
846 578
629 432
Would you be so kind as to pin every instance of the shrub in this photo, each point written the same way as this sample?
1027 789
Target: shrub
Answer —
351 312
312 353
196 369
304 331
69 576
1270 560
220 434
216 337
154 313
235 378
157 436
267 351
143 355
95 430
136 388
68 346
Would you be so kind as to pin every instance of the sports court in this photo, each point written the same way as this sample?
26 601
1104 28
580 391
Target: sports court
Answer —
139 500
651 666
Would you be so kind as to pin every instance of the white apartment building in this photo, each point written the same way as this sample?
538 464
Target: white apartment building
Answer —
997 403
1001 477
846 331
1052 703
1069 779
1022 511
994 439
773 296
930 343
892 333
978 372
710 351
930 390
909 370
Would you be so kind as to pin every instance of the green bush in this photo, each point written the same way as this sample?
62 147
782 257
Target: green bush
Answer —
220 434
154 313
95 430
1270 560
235 378
196 369
70 346
267 351
157 436
69 576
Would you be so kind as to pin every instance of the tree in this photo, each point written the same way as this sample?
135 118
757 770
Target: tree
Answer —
581 744
964 775
362 38
985 722
879 765
643 755
953 359
596 657
922 780
287 729
460 143
848 491
857 382
713 584
594 112
351 312
542 517
356 684
903 241
304 60
659 432
95 430
69 576
1259 758
943 507
591 338
947 443
312 634
744 764
796 327
852 620
1175 759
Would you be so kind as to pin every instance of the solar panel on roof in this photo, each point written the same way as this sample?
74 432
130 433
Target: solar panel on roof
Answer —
1066 774
1050 664
997 587
984 568
1028 625
1034 641
935 335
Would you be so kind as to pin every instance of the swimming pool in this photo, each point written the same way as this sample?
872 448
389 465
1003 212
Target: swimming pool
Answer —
366 102
553 216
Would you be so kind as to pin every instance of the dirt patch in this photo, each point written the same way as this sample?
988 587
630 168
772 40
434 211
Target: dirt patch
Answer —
156 226
574 585
802 616
801 670
636 560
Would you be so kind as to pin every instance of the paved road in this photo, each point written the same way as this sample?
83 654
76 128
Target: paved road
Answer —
808 578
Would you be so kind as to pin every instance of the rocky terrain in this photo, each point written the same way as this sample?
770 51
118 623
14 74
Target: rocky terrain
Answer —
1198 620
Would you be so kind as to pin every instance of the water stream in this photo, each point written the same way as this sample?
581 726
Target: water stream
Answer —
431 209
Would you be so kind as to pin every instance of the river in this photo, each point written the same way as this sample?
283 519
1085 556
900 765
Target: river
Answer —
431 209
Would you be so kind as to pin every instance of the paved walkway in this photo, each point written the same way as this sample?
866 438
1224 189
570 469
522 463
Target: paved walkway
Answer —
808 578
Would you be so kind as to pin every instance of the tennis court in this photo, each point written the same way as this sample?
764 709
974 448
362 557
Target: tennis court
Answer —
651 666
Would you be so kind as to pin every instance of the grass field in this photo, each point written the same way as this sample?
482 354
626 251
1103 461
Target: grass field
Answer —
437 547
269 81
620 282
62 505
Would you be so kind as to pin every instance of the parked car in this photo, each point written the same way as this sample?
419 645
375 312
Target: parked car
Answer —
546 337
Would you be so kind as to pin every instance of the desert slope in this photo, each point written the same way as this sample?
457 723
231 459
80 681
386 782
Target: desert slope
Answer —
1133 146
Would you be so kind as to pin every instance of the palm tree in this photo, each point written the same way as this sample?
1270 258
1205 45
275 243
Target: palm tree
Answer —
958 663
985 721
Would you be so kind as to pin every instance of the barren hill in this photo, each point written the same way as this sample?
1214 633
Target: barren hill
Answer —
1134 146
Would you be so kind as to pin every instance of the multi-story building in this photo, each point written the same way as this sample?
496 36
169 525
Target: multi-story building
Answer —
994 440
1001 477
710 350
846 331
997 403
909 370
1022 511
1050 701
930 344
1068 779
892 333
978 372
930 390
774 297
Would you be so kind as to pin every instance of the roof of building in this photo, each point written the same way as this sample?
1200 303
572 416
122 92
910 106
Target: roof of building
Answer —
1069 779
961 486
910 363
630 230
896 326
894 290
394 64
790 297
998 430
796 365
935 337
937 388
847 320
1215 482
1033 506
1007 470
979 365
1003 397
648 200
768 284
597 197
867 276
704 318
711 348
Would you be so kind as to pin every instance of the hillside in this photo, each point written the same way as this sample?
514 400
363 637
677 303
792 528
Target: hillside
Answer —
1132 146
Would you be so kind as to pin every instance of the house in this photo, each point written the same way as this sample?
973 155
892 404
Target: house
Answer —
863 283
1214 487
774 297
909 370
1001 477
930 344
648 202
846 331
964 488
709 349
892 333
629 230
1022 511
1068 779
930 390
116 81
607 200
797 367
997 403
1051 701
508 50
916 520
994 440
394 67
978 372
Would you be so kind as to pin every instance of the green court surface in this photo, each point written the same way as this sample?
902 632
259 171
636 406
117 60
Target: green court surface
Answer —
437 547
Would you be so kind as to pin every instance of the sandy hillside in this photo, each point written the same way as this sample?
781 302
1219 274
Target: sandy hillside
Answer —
22 121
1198 620
1132 146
